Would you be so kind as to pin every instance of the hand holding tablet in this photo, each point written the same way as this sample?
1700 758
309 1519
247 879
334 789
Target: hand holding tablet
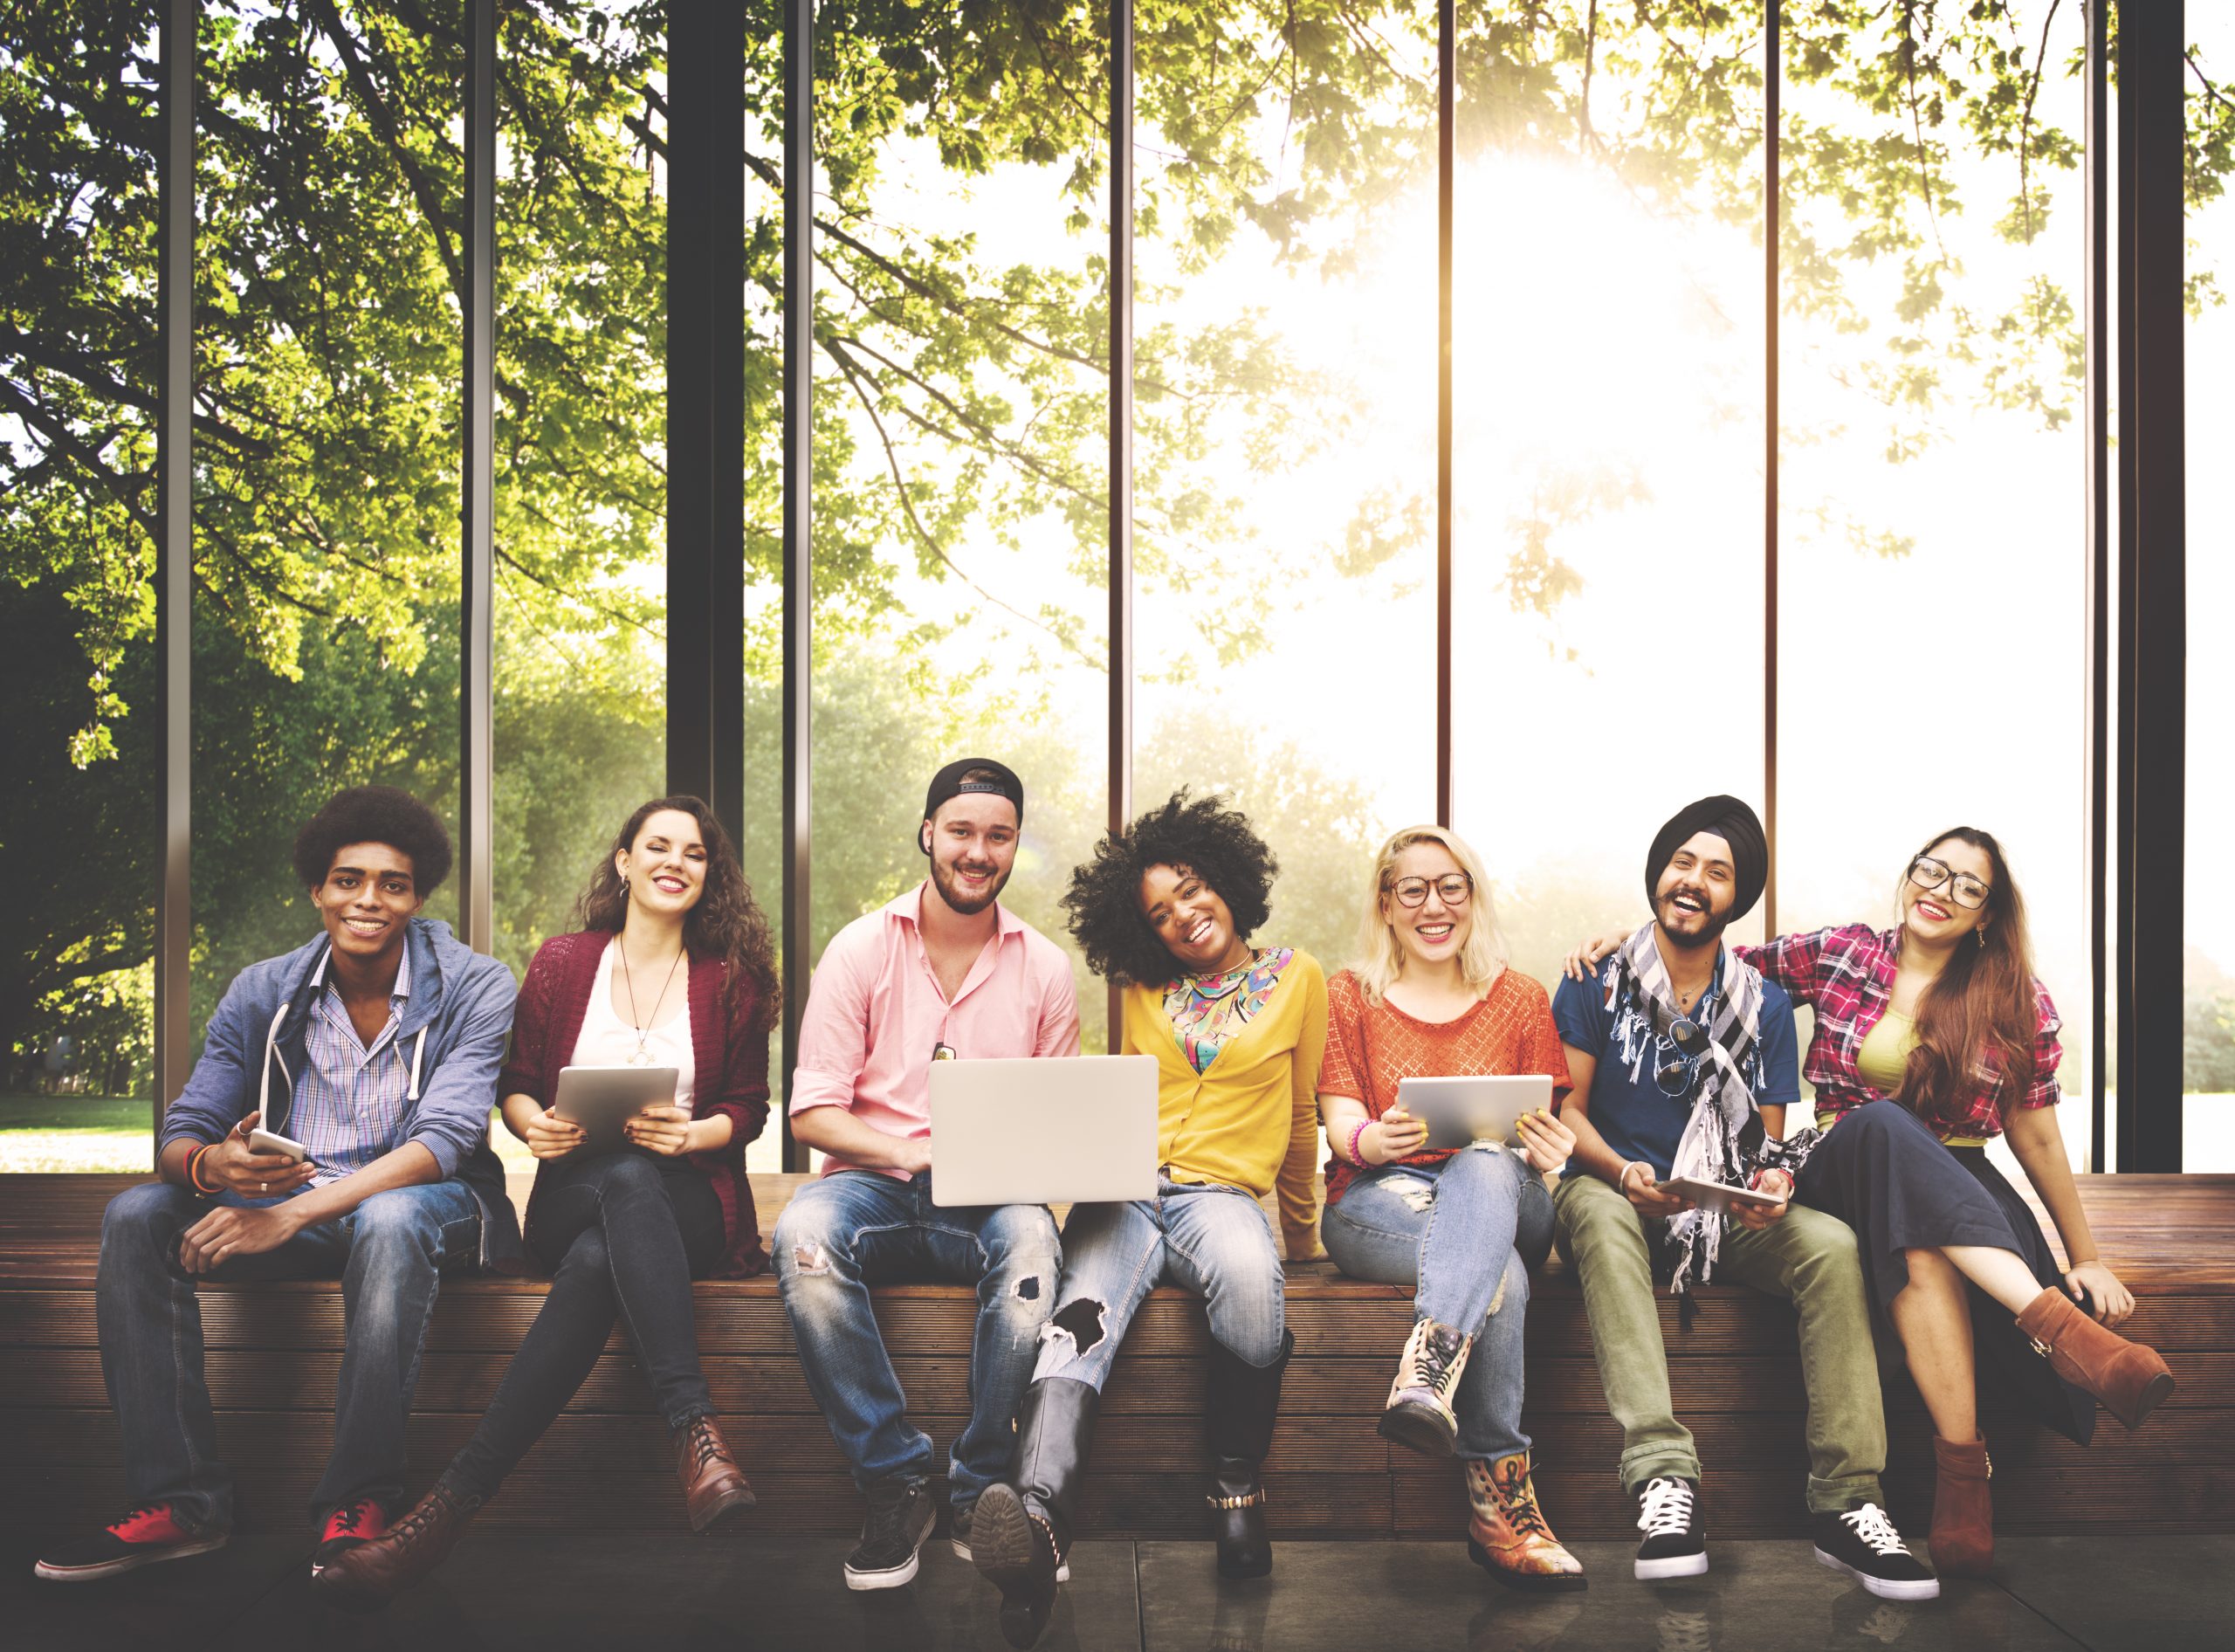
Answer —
602 1101
1714 1196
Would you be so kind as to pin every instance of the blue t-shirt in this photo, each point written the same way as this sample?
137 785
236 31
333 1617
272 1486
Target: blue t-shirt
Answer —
1629 1104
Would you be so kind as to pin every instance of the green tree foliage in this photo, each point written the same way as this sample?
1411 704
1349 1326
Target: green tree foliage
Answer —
959 407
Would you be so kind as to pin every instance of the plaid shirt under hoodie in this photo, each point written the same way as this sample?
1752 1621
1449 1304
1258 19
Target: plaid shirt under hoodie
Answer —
1847 976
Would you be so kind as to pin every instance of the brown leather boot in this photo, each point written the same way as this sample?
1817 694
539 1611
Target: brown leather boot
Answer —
712 1483
367 1576
1507 1536
2127 1377
1963 1509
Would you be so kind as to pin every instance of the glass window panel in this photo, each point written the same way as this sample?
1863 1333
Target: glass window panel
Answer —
1608 658
2208 1129
78 200
961 440
1285 433
581 495
1932 533
327 274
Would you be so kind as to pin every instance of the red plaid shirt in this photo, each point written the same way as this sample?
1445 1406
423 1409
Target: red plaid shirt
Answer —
1847 976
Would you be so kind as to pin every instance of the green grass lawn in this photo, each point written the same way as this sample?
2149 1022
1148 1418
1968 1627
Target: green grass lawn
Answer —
77 1132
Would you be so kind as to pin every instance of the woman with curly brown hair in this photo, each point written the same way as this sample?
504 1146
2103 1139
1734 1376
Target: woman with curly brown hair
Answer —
672 967
1166 909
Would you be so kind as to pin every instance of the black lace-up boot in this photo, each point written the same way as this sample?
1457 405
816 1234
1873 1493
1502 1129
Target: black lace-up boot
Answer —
1021 1533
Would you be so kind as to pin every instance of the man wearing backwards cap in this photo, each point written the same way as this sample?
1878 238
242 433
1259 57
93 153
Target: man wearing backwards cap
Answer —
944 971
1684 1060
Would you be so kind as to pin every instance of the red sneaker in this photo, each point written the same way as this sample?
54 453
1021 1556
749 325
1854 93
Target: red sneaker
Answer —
346 1525
147 1535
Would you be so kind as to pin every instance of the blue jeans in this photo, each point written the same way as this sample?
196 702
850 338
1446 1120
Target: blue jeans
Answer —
1211 1240
854 1228
388 1254
1441 1228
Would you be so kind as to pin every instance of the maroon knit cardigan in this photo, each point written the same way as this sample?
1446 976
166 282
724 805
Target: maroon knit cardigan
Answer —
730 1078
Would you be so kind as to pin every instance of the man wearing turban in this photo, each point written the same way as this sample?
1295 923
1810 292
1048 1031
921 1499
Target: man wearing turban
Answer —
1684 1060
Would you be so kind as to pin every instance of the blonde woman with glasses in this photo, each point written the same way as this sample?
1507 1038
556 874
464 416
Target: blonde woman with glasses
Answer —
1432 996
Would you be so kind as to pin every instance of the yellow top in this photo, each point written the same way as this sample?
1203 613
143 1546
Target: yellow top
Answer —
1252 1121
1885 1052
1884 1058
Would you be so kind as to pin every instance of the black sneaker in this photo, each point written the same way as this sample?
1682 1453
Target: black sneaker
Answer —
901 1516
346 1525
147 1534
1863 1544
1675 1542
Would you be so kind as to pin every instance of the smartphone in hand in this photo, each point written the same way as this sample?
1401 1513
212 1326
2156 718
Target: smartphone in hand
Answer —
264 1141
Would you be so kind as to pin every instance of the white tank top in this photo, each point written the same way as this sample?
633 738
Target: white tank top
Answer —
608 1040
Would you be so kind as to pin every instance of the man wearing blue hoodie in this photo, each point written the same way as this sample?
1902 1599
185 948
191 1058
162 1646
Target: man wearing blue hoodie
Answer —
375 1047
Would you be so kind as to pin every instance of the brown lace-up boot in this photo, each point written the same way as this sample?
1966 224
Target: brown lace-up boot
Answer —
2127 1377
367 1576
712 1483
1418 1412
1963 1509
1508 1536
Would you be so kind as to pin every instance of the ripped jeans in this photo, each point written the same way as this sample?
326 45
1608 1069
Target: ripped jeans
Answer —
854 1228
1213 1241
1465 1232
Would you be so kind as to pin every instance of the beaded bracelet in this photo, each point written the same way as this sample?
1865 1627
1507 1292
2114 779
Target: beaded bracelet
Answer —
1357 1130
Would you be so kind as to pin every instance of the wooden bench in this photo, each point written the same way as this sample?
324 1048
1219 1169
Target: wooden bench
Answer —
274 1349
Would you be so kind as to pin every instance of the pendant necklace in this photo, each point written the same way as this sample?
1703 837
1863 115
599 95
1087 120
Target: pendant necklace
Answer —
643 1057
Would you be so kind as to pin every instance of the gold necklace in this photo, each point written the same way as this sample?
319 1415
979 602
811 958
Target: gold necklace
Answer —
643 1057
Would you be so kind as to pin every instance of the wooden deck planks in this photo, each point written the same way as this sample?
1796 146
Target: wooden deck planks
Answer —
274 1350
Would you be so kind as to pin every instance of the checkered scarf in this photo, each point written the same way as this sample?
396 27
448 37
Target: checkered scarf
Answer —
1715 1145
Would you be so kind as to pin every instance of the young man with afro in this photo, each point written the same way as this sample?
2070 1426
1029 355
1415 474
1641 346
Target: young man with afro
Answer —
373 1047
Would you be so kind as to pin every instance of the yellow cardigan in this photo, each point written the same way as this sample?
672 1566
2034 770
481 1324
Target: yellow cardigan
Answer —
1253 1119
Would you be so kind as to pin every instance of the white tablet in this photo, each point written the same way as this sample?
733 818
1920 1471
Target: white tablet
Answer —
601 1099
1714 1196
1479 1107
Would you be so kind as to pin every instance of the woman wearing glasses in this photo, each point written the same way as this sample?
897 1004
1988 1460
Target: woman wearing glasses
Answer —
1432 996
1932 1038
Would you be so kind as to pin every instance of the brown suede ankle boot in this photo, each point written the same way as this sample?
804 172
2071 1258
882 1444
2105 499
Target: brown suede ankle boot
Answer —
2127 1377
1963 1509
712 1483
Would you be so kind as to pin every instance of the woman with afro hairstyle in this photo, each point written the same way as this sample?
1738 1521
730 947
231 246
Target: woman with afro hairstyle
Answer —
672 967
1165 910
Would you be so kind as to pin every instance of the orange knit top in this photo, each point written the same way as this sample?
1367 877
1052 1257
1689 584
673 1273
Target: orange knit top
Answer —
1370 1047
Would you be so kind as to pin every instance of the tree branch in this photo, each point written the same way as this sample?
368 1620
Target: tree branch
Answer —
854 380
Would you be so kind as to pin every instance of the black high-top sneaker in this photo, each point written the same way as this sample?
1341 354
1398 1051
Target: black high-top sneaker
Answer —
1675 1541
1863 1544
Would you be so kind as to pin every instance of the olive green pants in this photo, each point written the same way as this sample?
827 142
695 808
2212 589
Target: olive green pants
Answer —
1806 1257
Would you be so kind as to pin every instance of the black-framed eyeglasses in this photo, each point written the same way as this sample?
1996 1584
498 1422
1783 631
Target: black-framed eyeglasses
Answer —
1928 873
1453 889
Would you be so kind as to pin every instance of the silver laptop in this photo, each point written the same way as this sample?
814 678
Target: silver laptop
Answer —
1038 1131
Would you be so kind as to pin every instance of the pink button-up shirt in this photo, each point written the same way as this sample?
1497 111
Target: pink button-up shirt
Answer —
874 1013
